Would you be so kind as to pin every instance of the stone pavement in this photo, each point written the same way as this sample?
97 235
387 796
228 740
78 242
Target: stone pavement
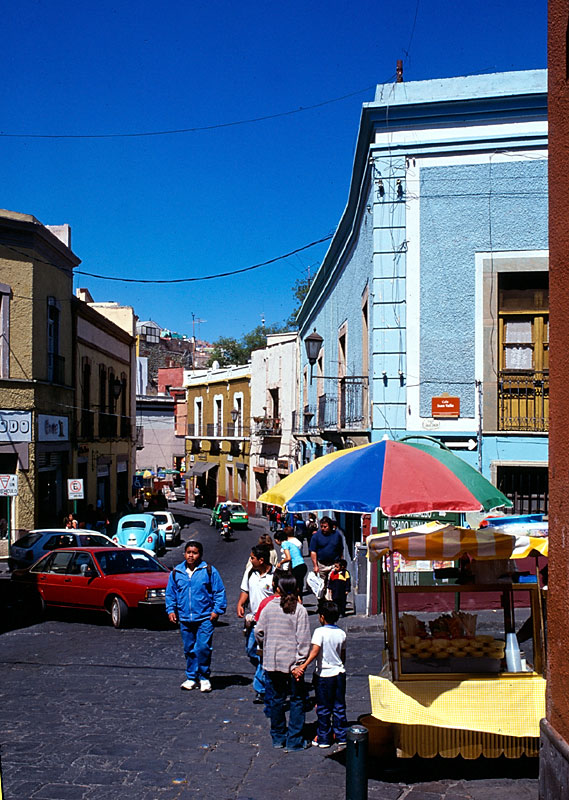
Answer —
92 713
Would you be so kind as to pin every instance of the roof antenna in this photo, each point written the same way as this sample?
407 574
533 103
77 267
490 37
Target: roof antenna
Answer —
399 71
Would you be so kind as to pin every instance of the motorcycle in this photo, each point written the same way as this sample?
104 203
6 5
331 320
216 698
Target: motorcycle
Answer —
226 530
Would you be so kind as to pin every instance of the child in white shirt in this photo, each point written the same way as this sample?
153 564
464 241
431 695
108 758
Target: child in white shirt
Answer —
329 650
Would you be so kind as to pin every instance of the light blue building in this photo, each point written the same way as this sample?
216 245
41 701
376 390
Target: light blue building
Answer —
432 300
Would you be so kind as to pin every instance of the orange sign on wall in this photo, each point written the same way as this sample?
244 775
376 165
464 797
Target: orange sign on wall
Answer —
445 406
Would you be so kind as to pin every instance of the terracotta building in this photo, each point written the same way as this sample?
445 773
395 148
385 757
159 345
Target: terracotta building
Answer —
554 754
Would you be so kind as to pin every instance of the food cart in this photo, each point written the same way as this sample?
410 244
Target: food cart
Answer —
456 683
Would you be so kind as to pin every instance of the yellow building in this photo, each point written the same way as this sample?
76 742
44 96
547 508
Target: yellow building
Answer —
218 443
41 378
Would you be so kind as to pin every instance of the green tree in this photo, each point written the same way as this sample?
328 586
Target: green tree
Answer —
227 350
299 291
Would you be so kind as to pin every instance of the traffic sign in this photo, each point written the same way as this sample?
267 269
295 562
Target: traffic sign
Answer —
75 489
8 485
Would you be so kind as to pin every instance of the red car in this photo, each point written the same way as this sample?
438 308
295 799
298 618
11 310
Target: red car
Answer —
117 580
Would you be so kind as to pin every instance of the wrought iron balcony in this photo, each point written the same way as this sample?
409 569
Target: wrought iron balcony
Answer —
523 401
344 411
268 427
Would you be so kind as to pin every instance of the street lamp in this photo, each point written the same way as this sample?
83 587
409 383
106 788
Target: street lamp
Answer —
313 344
117 388
234 417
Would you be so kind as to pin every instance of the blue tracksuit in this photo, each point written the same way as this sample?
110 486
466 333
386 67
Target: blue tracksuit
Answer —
193 599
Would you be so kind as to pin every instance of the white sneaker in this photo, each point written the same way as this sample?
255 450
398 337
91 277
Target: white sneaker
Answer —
188 685
205 685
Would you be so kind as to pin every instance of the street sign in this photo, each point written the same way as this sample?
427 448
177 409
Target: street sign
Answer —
8 485
137 483
75 489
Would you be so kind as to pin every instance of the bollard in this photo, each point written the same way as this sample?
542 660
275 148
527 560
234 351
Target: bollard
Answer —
356 763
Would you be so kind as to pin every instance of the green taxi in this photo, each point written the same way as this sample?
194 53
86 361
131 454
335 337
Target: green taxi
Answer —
239 516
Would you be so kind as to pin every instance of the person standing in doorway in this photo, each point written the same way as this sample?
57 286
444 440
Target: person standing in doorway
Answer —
195 597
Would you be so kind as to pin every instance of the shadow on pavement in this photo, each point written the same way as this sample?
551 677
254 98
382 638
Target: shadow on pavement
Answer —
422 770
219 682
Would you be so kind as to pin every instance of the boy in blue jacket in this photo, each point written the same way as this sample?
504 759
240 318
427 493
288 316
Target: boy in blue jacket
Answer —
195 597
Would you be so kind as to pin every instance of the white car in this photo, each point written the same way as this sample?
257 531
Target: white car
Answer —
168 524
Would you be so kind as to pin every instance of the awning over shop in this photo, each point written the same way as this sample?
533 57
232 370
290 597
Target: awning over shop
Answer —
436 541
200 467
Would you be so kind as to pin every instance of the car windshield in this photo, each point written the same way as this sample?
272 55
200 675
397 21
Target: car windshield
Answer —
122 562
94 540
161 518
135 523
28 540
236 508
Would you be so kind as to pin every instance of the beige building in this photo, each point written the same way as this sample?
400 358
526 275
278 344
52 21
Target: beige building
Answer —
105 369
45 335
218 440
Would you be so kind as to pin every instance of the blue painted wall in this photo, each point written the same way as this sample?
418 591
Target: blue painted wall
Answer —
467 209
342 302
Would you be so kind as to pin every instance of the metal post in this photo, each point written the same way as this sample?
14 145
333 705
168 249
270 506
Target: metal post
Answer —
356 763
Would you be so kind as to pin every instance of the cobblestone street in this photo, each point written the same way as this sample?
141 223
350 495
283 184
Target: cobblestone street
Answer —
94 713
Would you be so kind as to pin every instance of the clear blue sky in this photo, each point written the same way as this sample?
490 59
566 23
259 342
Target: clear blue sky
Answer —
204 202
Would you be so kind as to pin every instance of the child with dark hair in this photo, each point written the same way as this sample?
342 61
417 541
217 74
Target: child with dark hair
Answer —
283 631
340 585
329 650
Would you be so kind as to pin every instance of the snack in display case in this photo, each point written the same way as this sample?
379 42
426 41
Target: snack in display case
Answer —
451 646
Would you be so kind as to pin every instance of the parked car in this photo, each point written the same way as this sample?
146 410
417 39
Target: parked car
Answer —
113 579
140 530
33 545
167 523
238 515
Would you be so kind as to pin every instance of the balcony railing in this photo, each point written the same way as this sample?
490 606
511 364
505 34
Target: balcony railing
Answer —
268 427
344 410
305 422
55 368
523 401
230 430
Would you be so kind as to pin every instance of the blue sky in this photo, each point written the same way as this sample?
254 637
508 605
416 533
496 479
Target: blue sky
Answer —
193 204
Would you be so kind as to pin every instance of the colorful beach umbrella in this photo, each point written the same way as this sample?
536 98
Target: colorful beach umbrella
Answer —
400 478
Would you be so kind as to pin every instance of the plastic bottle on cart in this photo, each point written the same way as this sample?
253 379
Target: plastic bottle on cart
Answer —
513 656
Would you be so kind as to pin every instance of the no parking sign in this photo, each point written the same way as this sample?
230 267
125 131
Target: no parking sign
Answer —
75 489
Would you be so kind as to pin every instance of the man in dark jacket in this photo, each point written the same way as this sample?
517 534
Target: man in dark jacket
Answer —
326 547
195 597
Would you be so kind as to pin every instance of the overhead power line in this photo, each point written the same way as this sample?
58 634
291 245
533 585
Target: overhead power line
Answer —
195 129
206 277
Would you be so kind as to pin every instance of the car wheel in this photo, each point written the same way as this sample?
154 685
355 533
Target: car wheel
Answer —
119 612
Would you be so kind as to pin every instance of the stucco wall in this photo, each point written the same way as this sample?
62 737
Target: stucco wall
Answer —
467 209
342 303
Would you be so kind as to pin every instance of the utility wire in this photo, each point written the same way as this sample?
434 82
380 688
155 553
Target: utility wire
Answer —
195 129
207 277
